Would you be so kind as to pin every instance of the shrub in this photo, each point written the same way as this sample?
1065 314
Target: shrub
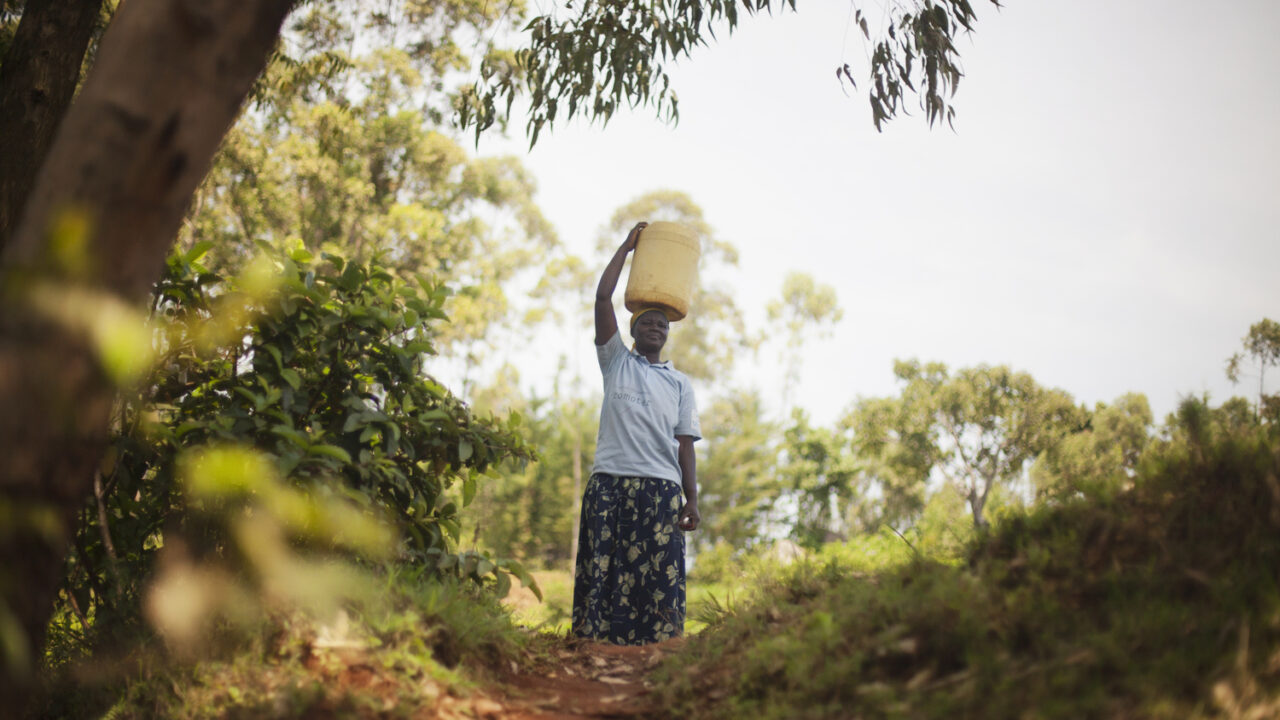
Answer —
318 363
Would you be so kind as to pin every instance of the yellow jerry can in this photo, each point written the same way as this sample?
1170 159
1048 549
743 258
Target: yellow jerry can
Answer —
664 269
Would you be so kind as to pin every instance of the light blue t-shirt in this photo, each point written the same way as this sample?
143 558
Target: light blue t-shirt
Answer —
645 407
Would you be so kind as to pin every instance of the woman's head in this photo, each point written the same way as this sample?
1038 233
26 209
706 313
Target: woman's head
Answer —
649 328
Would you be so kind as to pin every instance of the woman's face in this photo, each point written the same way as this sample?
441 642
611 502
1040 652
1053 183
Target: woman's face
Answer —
650 332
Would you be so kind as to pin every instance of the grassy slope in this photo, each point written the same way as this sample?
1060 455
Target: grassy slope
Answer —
422 650
426 650
1161 602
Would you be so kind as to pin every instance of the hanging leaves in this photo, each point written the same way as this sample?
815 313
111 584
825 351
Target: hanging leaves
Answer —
600 56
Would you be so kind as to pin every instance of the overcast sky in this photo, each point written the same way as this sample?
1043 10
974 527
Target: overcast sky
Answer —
1105 215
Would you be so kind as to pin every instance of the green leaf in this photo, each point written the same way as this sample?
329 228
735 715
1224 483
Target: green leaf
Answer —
464 450
275 353
515 568
332 451
298 438
451 527
503 585
257 400
187 427
198 251
351 278
291 376
468 490
434 414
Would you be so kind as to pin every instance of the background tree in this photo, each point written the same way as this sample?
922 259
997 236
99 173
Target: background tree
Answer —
994 422
1101 458
894 439
945 527
1262 347
977 430
820 478
348 148
737 471
533 515
803 311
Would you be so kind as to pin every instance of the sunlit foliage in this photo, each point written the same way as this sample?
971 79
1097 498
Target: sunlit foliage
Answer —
347 143
325 377
977 429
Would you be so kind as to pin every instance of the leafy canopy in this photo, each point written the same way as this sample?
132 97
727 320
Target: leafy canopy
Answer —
592 58
978 428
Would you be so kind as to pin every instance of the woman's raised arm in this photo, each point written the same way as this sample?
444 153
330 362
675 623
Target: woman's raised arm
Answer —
606 321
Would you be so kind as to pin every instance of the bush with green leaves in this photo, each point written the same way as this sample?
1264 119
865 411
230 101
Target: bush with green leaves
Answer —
318 362
1157 601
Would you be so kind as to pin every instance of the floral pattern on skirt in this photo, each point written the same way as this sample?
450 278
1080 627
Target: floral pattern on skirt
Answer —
628 586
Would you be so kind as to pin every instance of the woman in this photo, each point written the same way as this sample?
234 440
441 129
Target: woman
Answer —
629 579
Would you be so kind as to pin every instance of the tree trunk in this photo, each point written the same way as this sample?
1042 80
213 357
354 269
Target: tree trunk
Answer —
978 500
168 81
37 81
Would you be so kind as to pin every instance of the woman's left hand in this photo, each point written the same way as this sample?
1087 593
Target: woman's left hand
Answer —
689 517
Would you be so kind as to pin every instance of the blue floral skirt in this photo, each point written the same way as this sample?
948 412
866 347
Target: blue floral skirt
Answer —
628 585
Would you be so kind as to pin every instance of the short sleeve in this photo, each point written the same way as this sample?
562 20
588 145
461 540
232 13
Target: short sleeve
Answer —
688 423
610 352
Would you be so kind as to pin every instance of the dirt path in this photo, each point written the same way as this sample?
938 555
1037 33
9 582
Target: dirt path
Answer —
585 680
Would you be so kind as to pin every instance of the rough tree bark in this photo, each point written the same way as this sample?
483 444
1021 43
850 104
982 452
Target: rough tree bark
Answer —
168 81
37 80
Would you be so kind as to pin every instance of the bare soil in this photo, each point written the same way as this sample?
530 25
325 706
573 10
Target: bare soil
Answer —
584 680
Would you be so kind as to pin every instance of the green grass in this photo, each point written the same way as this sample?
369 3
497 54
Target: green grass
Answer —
553 613
706 601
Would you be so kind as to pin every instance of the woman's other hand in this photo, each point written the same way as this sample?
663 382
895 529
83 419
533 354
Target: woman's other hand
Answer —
689 517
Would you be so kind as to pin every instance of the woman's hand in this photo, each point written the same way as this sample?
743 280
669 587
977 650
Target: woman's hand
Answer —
689 517
633 237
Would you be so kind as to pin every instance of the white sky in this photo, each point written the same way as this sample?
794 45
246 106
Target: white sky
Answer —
1105 216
